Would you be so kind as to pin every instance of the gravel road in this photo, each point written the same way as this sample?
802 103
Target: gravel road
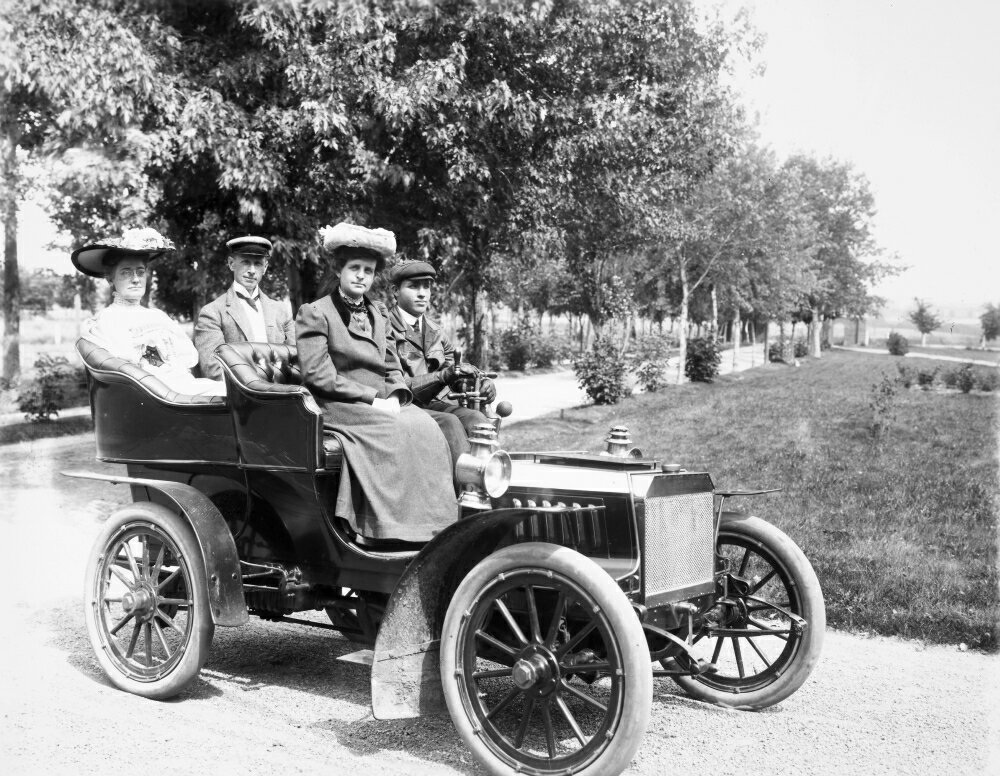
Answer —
274 697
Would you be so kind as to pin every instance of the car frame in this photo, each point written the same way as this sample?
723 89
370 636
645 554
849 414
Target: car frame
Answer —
540 619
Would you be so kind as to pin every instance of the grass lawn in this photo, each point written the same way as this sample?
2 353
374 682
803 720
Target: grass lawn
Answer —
903 534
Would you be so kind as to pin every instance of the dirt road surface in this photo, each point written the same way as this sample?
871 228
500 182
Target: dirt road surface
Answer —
275 698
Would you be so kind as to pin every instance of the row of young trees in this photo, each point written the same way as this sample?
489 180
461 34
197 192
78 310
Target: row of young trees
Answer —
579 156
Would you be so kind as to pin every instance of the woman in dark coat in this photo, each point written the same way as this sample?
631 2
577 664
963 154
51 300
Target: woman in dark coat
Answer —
397 479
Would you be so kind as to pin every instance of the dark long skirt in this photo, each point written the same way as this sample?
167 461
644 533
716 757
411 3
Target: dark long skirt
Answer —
396 481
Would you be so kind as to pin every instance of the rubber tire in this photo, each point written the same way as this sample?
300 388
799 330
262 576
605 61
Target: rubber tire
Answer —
199 643
625 624
812 610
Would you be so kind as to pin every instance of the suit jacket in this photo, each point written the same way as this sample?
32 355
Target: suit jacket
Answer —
422 355
340 365
224 320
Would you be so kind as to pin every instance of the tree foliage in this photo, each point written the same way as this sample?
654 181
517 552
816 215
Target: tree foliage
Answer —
924 318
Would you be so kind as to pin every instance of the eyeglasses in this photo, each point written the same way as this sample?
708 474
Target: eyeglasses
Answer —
130 272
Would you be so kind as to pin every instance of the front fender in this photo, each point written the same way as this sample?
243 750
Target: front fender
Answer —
218 550
406 677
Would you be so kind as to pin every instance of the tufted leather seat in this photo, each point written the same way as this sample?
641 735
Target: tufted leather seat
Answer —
102 362
264 382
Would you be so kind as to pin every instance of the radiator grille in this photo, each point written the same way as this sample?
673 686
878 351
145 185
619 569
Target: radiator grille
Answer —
679 542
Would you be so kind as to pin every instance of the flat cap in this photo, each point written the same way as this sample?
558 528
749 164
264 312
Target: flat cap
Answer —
249 246
411 270
379 241
96 258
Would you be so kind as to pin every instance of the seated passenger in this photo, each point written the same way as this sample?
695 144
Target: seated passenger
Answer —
426 354
397 480
243 313
128 330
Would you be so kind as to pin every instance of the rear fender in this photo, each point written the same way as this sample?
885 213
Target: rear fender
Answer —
406 676
218 550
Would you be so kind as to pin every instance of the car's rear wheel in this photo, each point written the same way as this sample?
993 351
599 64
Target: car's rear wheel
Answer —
544 664
766 636
146 601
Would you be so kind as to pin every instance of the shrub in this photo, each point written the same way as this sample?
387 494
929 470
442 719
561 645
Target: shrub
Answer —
648 360
988 380
44 396
926 377
601 372
801 349
774 353
950 378
906 376
898 344
883 407
701 364
965 378
550 349
517 345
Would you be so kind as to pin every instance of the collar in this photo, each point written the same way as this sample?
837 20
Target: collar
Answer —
412 321
240 291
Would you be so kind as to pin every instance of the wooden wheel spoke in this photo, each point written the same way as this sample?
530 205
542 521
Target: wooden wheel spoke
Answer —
760 654
763 581
166 581
144 558
492 674
118 572
573 724
121 623
490 639
149 645
134 640
717 651
536 628
131 561
523 727
744 564
158 564
557 614
168 621
507 700
739 657
163 641
550 738
579 636
585 697
509 619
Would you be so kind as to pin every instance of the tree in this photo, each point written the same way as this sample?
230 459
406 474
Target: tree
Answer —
70 71
990 320
924 319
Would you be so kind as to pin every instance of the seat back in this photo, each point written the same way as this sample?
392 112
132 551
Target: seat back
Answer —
278 423
138 418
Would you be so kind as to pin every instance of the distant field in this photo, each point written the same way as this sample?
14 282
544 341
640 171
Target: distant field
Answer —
902 535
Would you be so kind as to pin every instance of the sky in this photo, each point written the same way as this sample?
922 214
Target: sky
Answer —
908 93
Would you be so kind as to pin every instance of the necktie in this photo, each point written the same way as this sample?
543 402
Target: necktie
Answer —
251 301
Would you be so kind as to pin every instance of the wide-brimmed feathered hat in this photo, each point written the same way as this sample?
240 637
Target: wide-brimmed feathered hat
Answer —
95 259
378 244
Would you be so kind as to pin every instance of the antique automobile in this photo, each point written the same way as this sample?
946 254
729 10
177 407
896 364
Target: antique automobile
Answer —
568 583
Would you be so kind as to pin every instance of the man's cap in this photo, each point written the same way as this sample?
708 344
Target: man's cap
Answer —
97 258
411 269
249 246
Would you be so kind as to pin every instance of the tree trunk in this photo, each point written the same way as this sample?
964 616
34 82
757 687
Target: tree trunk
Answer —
715 314
11 345
923 339
814 331
736 324
683 322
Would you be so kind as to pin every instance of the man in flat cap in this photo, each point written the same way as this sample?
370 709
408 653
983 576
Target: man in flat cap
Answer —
244 313
427 357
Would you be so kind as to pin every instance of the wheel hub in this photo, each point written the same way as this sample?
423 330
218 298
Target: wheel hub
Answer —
529 671
536 671
140 602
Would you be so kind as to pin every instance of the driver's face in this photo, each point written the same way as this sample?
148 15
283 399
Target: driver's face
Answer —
414 296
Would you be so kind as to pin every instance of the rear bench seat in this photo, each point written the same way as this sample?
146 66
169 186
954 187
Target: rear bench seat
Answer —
278 423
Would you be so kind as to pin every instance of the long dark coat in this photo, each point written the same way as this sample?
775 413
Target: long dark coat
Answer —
396 481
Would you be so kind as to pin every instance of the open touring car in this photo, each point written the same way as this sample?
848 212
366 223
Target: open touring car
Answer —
540 619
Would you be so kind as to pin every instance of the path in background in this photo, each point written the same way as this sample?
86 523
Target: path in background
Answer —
959 359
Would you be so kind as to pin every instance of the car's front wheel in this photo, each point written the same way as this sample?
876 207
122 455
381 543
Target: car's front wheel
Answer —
765 637
544 664
146 601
